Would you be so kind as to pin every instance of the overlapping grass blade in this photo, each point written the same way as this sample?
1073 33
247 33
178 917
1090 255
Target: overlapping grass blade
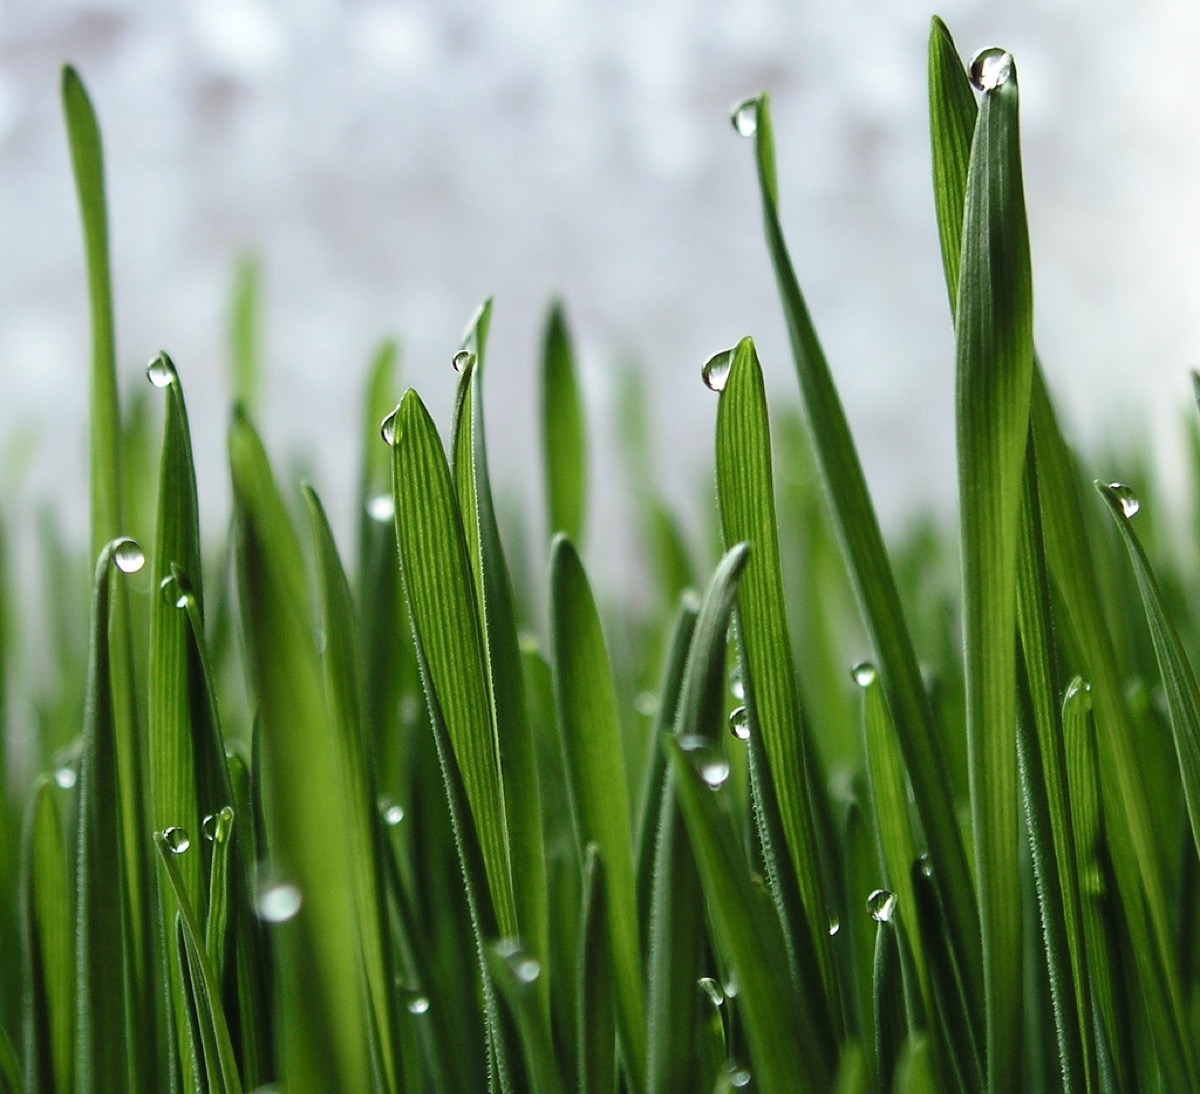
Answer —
589 729
319 1017
595 1020
514 973
564 441
745 492
871 575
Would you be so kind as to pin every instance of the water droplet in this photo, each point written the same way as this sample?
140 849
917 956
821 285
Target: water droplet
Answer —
881 904
990 68
744 117
387 428
128 555
278 902
864 674
161 372
737 684
65 777
1079 691
1126 497
731 985
716 370
925 864
709 761
737 1075
525 968
712 989
739 723
391 812
381 508
176 840
416 1003
175 591
215 827
461 359
835 925
646 704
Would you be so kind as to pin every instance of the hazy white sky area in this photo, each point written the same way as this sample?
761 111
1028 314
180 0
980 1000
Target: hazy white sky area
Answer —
394 163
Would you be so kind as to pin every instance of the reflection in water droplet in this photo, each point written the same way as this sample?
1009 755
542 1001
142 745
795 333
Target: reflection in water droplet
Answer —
176 839
392 813
65 777
881 904
739 723
381 508
709 761
461 359
990 68
416 1003
712 989
278 902
864 674
716 370
161 372
744 117
387 428
737 686
216 826
737 1075
128 555
835 925
524 967
1126 497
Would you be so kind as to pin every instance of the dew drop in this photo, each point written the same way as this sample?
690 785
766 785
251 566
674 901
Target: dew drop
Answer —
525 968
1126 497
864 674
716 370
990 68
744 117
712 989
391 812
416 1003
1078 690
128 555
646 704
835 925
881 904
925 864
215 827
737 1075
737 684
387 428
461 359
731 985
739 723
161 372
278 902
381 508
174 591
710 763
65 777
176 840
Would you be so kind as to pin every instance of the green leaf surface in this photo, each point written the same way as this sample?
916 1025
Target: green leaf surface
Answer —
564 442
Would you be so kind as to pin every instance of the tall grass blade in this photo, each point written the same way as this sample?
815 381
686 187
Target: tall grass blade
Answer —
595 1017
515 973
564 442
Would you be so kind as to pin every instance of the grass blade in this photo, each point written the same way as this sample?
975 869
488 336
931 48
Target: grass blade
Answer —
564 442
596 1034
245 334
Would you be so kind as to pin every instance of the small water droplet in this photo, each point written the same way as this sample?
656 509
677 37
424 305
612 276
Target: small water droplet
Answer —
174 591
1126 497
835 925
524 967
387 428
416 1003
646 704
739 723
461 359
65 777
990 68
737 1075
381 508
709 761
391 812
925 864
712 989
864 674
744 117
215 827
176 839
278 902
737 684
161 372
731 985
716 370
128 555
881 904
1078 691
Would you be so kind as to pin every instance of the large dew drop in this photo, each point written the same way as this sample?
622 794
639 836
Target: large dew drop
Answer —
709 762
65 777
864 674
416 1003
176 840
128 555
278 902
744 117
1127 499
391 812
881 904
739 723
716 370
387 428
461 359
990 68
160 372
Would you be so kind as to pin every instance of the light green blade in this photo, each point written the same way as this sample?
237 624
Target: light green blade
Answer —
245 334
564 442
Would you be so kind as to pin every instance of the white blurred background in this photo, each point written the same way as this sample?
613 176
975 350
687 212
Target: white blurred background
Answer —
393 163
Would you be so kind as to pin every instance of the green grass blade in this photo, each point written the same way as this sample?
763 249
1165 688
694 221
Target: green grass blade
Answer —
439 588
872 577
995 366
318 1004
49 945
748 931
343 696
217 828
745 492
595 1022
245 334
564 441
515 973
891 1026
589 729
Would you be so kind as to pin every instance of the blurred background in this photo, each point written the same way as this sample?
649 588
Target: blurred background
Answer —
391 164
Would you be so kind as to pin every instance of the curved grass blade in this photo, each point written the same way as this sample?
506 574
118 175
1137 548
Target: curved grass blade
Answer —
746 496
343 697
564 441
48 945
872 577
589 729
318 1003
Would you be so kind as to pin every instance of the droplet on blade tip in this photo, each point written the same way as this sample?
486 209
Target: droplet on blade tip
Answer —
716 370
1126 498
175 839
863 674
387 428
128 555
881 904
161 372
744 117
712 989
990 68
710 764
461 359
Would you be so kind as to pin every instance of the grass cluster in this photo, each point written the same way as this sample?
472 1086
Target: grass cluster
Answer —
311 826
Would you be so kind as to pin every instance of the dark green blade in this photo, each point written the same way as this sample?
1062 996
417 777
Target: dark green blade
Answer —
564 442
595 1022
